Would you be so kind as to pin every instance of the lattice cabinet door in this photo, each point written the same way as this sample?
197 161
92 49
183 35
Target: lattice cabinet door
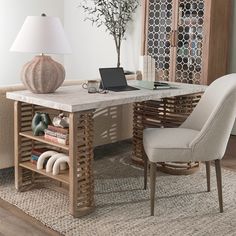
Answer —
158 39
187 38
189 41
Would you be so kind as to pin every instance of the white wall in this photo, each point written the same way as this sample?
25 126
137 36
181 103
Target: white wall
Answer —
12 16
93 47
131 49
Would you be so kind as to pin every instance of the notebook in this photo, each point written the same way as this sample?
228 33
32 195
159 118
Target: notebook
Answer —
151 85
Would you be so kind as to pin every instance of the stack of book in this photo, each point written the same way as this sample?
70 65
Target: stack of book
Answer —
35 153
57 134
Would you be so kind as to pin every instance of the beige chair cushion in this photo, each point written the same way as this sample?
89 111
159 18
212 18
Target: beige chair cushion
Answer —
168 144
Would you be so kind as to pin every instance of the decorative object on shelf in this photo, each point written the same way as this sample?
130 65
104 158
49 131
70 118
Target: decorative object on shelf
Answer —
43 157
56 167
61 121
92 86
42 34
40 122
52 160
113 14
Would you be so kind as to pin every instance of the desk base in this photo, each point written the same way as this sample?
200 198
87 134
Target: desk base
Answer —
167 112
79 177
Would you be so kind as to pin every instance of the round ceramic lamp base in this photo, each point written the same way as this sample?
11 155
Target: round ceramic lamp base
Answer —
43 75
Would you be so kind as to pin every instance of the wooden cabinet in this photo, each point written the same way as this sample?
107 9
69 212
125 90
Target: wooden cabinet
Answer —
189 39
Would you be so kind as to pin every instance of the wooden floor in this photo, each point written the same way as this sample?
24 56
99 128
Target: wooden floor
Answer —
15 222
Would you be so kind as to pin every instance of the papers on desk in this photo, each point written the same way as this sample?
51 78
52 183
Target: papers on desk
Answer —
151 85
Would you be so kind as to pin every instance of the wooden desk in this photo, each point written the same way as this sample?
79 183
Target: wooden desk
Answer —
79 106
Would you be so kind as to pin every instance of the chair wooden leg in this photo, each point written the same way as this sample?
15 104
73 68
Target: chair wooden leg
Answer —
219 183
152 185
145 170
208 175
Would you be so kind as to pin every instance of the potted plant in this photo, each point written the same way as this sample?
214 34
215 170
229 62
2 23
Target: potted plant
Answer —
113 14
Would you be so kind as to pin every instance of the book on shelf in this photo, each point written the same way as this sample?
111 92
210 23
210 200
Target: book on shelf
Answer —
33 162
34 159
56 134
58 129
38 151
35 153
55 139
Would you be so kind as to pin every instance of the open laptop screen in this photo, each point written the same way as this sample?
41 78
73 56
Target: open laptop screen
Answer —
113 77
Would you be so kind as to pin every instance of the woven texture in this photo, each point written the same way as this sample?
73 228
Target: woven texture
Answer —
183 207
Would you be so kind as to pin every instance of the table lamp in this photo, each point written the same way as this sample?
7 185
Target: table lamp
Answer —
43 35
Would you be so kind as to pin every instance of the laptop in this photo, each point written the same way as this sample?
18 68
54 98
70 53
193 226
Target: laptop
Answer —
113 79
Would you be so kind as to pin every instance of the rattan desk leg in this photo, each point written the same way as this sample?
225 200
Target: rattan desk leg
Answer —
81 183
138 126
17 121
23 113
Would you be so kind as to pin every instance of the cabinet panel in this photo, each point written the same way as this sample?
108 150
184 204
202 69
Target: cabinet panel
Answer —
188 38
159 35
189 43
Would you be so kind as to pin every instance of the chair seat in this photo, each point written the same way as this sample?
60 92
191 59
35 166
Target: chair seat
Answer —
168 144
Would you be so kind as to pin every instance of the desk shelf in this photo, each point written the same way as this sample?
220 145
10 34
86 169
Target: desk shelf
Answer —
79 176
41 139
62 177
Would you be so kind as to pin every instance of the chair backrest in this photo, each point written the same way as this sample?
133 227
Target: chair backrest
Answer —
214 117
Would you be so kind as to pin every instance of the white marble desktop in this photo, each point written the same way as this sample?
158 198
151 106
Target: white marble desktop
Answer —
75 98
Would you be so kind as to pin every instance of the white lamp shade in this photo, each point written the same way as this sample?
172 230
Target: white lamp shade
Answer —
41 34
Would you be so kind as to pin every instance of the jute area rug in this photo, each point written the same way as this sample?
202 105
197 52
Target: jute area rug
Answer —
183 207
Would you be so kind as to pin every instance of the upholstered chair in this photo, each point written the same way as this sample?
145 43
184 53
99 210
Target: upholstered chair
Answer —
202 137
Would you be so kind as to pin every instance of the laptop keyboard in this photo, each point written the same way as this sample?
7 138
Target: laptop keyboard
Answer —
120 89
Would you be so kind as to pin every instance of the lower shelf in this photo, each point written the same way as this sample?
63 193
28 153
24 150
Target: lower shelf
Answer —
62 177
